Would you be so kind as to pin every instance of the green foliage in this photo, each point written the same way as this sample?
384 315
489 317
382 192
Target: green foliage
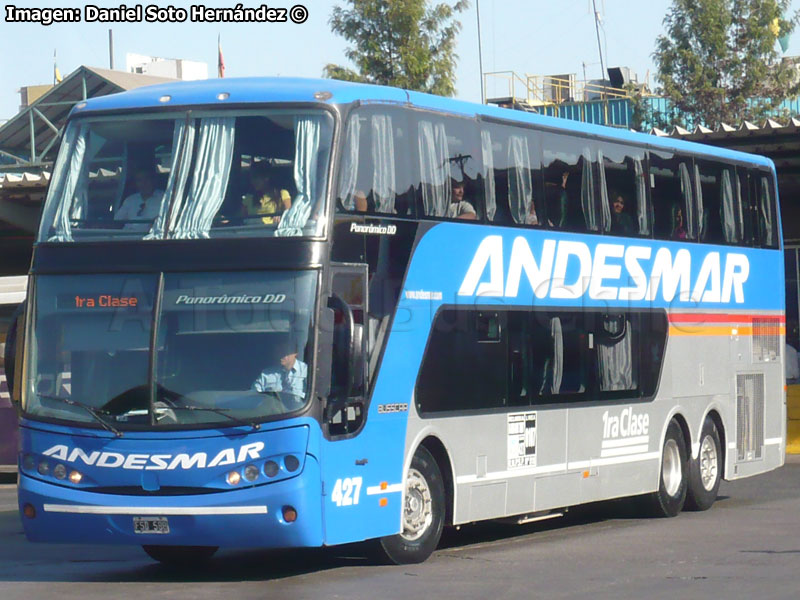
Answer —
404 43
719 60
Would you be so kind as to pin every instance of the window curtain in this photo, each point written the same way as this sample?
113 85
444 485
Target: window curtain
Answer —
730 226
520 188
701 213
488 164
642 208
554 364
182 142
434 168
604 207
739 207
307 134
767 230
72 192
383 174
587 193
686 194
349 170
212 169
615 358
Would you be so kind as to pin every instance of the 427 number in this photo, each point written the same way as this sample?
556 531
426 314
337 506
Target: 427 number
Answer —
346 491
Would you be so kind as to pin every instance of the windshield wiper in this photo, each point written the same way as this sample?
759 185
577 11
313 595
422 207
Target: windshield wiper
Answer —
89 409
219 411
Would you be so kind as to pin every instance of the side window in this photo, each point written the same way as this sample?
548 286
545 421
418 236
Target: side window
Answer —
479 359
763 194
511 167
748 204
719 203
623 191
569 183
464 367
671 194
375 172
449 157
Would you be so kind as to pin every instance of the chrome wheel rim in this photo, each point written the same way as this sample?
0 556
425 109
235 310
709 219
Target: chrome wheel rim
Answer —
417 513
709 463
671 468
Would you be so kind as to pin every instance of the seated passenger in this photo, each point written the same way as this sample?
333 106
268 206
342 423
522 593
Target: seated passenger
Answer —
621 222
360 201
678 227
287 379
264 200
145 203
460 208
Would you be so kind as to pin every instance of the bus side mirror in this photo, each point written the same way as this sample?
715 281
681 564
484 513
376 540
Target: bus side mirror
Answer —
12 363
356 366
347 360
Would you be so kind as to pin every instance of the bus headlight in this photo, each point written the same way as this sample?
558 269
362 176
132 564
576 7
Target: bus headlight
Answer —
60 471
28 462
291 462
271 468
43 468
233 478
251 472
75 477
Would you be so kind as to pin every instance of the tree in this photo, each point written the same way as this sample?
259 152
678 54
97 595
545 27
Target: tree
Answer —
719 62
404 43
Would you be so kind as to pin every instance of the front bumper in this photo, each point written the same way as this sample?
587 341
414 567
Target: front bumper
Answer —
248 517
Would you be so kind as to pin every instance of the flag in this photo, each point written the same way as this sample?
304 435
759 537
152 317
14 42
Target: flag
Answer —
56 73
220 59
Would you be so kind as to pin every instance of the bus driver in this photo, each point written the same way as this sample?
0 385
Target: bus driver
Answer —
288 378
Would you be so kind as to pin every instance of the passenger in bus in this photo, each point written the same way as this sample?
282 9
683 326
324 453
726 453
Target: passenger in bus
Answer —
678 227
145 203
288 378
360 201
264 200
557 206
621 222
459 208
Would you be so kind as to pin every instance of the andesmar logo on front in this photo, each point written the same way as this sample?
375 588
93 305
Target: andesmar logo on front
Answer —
156 462
612 272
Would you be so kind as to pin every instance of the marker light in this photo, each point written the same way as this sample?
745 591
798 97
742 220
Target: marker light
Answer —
166 98
251 472
233 478
60 471
29 511
291 462
271 468
75 477
289 514
44 468
323 96
223 96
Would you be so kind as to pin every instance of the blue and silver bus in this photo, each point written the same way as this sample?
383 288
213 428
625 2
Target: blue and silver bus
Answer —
282 312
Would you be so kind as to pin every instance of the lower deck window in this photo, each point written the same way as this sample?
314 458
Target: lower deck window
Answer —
480 359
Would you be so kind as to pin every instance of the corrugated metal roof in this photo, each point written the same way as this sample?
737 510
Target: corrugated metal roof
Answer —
56 104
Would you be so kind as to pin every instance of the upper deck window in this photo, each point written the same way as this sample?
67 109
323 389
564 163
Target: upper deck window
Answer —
247 174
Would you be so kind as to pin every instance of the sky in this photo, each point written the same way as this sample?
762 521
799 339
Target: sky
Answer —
537 37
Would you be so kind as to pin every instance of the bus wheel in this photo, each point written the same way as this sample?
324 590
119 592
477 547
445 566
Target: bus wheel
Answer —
180 556
705 472
423 514
671 495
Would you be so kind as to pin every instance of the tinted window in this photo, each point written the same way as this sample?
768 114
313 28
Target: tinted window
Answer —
449 159
763 193
569 183
623 191
671 193
486 359
719 203
511 167
375 172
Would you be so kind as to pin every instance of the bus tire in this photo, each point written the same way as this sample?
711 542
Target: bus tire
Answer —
180 556
705 472
674 478
423 514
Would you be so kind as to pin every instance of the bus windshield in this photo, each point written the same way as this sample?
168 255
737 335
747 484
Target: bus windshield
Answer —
223 348
188 176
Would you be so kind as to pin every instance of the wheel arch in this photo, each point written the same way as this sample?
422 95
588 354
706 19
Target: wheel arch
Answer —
437 449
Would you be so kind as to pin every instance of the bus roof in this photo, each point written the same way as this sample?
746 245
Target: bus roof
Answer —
253 90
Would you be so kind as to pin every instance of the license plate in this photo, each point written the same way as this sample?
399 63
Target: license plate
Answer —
150 525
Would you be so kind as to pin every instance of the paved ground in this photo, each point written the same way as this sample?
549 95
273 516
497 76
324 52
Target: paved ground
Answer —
746 546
